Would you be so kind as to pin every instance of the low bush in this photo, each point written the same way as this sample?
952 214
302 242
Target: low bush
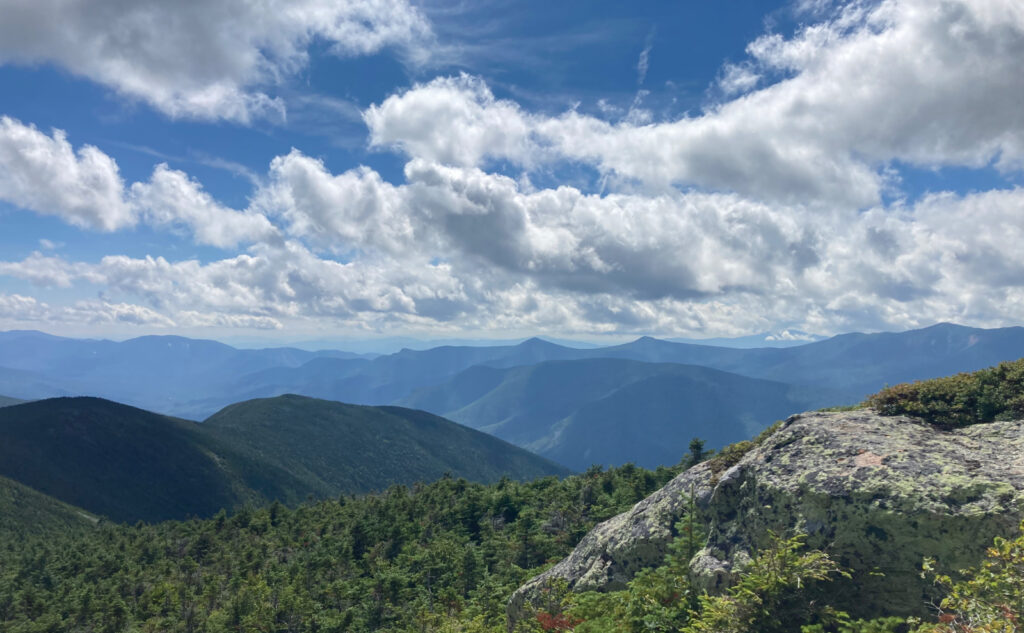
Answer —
996 393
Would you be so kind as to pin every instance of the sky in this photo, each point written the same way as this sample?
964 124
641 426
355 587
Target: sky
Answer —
283 170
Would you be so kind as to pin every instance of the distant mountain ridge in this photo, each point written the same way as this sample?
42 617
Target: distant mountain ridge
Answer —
194 379
128 463
612 411
153 372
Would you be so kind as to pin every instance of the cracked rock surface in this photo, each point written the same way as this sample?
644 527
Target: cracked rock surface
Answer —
877 493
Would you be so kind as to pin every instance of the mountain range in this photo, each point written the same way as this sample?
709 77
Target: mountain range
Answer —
569 404
615 410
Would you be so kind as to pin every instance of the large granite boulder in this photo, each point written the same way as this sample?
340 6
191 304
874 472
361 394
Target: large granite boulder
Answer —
878 493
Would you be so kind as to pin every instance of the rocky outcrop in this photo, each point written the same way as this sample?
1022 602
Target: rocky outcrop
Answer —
878 493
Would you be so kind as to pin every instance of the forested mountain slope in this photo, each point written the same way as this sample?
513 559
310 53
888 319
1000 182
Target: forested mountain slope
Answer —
332 447
128 464
26 511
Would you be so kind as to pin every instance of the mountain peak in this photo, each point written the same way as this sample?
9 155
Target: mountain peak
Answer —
535 341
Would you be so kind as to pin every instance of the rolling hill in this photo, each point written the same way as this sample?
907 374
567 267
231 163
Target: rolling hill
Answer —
129 464
333 447
114 460
612 411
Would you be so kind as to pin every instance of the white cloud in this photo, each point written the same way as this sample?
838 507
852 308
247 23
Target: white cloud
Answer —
880 82
45 174
456 248
207 59
171 198
763 213
191 318
100 312
643 63
46 271
351 211
453 120
737 78
15 307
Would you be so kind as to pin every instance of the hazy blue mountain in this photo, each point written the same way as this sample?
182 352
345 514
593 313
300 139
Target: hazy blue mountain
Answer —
157 372
388 379
612 411
6 402
853 364
194 379
372 347
129 464
30 385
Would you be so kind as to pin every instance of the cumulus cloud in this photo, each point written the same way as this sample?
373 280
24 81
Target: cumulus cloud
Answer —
43 173
762 213
880 82
171 198
351 211
454 120
191 318
207 59
459 248
737 78
15 308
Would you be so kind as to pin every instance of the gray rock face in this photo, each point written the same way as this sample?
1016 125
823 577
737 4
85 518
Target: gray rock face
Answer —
878 493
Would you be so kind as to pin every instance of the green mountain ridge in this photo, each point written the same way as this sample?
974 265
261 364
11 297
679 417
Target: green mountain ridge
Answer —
305 437
115 460
128 464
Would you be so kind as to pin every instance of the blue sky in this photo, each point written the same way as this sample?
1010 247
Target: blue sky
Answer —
284 171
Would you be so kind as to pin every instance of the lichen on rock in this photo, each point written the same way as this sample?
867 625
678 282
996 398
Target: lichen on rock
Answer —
877 493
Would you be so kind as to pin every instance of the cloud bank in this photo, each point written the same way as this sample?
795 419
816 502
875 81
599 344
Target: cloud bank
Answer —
777 208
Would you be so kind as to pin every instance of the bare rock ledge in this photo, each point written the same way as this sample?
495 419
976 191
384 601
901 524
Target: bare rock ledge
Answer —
878 493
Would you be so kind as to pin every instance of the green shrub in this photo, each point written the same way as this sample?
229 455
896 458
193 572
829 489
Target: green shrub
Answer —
772 593
656 600
996 393
989 599
732 454
877 625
